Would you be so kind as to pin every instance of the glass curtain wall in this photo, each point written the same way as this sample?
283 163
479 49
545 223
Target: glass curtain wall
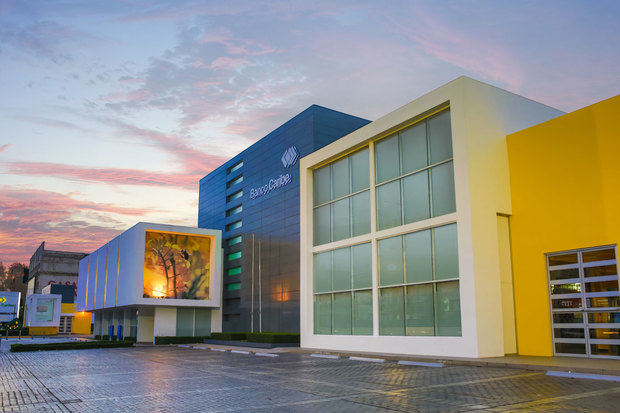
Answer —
418 286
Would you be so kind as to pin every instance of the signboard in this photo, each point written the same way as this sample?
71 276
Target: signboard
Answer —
176 266
9 305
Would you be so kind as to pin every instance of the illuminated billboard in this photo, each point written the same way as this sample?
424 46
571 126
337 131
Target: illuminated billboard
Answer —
176 266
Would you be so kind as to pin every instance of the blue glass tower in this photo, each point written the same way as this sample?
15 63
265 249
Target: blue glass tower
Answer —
254 199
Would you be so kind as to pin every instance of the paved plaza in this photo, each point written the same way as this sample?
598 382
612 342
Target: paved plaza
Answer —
175 379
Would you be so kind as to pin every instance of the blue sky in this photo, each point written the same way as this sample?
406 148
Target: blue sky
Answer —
111 111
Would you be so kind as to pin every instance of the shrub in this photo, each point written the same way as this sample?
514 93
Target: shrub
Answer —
179 340
258 337
72 345
14 331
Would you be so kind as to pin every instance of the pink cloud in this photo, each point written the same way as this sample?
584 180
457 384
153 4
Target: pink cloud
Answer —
29 216
4 147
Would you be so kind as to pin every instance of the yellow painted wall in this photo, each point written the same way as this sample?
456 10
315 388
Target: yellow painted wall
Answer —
565 188
43 331
81 320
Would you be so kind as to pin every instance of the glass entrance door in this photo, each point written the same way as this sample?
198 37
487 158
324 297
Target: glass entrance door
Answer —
585 306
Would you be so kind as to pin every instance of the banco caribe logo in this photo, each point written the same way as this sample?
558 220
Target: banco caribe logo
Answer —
290 157
2 299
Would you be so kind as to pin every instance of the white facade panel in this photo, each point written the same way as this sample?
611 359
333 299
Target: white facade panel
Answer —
102 267
82 280
92 281
111 277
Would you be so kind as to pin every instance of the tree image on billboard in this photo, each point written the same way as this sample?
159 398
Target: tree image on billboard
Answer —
176 266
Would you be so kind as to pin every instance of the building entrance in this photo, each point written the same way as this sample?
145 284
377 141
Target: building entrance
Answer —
585 307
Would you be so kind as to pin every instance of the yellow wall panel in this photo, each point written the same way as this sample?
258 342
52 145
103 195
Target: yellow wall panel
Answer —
564 181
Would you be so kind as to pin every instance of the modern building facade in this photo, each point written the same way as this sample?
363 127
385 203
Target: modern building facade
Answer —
42 314
404 241
254 200
154 280
565 226
52 267
71 321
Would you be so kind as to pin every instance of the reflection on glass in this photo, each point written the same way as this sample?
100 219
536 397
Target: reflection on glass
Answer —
440 137
342 269
322 219
420 315
601 271
442 183
323 272
386 155
570 348
599 255
360 171
448 309
602 286
340 178
566 303
446 252
391 312
413 148
362 265
388 205
391 261
322 185
415 197
360 211
362 312
419 262
340 220
564 318
605 349
323 314
564 274
605 333
606 318
342 314
569 333
563 259
566 288
601 302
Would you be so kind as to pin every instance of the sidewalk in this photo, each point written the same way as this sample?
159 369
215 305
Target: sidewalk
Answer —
572 364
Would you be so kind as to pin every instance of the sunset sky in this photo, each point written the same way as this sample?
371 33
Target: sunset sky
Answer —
111 111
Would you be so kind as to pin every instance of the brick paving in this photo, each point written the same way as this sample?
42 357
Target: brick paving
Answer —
173 379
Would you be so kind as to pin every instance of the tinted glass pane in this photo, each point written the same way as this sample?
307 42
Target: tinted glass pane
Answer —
386 155
362 313
362 265
323 272
360 170
599 255
185 322
342 314
323 314
602 286
600 271
340 178
418 260
415 197
340 220
322 185
414 153
566 288
568 333
440 137
446 252
563 318
420 316
342 269
599 302
606 318
322 225
388 205
360 211
605 349
448 309
564 274
563 259
605 333
391 312
391 261
442 181
561 303
570 348
202 322
234 271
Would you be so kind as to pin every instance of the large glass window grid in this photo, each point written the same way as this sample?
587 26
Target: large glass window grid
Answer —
414 173
585 302
430 307
342 198
343 291
419 283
